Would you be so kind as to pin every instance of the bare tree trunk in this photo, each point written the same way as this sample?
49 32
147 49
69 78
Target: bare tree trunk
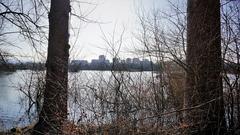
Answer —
54 110
204 90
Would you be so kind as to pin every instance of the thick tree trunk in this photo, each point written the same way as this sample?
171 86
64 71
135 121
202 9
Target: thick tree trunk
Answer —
204 92
54 110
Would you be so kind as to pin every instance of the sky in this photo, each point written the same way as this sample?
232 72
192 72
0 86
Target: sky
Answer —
111 16
105 17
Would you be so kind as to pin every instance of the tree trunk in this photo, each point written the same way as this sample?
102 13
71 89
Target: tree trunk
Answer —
54 110
204 92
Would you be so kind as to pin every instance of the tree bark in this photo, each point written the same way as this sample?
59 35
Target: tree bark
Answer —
204 81
54 110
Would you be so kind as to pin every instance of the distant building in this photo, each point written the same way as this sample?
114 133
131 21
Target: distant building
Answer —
75 62
102 58
79 62
94 62
136 61
128 60
146 62
102 63
77 65
107 62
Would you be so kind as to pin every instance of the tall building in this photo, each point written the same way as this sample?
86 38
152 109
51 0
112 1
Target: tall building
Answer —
102 58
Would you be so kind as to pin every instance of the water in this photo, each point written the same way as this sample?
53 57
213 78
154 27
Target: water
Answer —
13 109
10 108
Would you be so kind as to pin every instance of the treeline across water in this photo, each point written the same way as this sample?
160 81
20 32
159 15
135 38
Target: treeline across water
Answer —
75 67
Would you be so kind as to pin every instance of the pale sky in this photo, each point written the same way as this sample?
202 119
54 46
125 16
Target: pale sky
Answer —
110 14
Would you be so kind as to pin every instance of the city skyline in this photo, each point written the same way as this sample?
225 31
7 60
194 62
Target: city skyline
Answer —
104 57
102 63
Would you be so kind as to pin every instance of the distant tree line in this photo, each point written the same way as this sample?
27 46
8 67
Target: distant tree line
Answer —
116 65
119 66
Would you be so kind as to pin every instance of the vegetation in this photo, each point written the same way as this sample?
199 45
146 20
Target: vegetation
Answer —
195 90
203 59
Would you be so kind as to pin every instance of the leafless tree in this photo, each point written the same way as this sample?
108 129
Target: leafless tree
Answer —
204 81
230 54
54 110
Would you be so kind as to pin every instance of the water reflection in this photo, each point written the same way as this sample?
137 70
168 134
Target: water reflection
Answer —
12 113
10 109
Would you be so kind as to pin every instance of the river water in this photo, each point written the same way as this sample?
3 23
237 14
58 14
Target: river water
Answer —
12 109
13 102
